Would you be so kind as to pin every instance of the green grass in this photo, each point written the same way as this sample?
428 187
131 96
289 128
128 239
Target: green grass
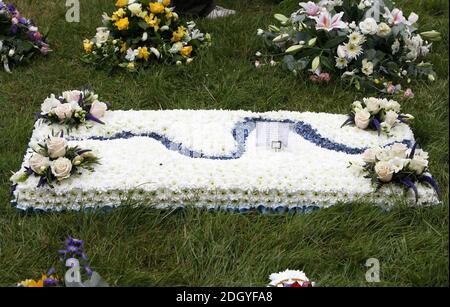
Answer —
131 247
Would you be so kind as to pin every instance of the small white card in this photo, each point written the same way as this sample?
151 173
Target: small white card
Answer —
272 135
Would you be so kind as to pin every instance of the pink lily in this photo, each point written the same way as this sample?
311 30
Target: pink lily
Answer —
326 22
395 17
311 8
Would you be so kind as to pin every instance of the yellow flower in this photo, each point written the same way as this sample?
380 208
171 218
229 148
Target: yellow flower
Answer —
169 13
87 45
152 21
122 24
156 7
179 34
118 14
186 51
166 2
121 3
143 53
123 47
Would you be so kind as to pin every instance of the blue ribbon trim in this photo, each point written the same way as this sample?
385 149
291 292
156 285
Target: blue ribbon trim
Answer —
240 134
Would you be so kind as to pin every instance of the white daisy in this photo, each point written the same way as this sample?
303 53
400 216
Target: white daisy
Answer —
353 50
357 38
341 62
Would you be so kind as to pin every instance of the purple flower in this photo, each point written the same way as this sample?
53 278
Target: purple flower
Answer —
88 270
50 282
14 29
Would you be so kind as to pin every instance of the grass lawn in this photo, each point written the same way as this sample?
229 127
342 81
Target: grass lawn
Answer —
131 247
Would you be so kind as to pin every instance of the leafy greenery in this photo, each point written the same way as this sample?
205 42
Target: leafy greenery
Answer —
141 247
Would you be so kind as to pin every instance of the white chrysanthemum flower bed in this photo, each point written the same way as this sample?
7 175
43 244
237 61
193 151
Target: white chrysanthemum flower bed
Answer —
199 158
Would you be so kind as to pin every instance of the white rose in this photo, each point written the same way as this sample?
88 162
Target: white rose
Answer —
383 30
367 67
419 153
64 111
373 104
135 9
362 118
56 147
384 171
418 165
39 163
391 118
357 105
102 35
384 154
399 150
392 105
50 104
72 96
370 155
368 26
397 164
61 168
98 109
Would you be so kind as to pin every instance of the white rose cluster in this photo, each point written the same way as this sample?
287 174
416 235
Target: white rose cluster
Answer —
68 107
395 159
379 114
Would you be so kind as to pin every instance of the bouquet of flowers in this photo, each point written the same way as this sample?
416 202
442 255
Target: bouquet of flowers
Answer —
73 108
369 43
72 258
20 39
53 160
290 279
398 164
377 114
142 32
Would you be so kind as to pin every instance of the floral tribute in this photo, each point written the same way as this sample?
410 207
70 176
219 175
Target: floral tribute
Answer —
20 39
399 165
54 161
377 114
73 108
142 32
370 44
75 263
290 279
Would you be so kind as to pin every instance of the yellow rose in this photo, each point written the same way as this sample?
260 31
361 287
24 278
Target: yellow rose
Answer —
122 24
186 51
87 45
121 3
143 53
156 7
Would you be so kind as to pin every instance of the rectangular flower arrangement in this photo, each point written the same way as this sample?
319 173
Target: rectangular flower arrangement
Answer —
216 160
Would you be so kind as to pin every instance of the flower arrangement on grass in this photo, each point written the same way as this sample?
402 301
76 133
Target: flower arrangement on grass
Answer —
368 43
377 114
290 279
54 161
399 165
72 258
73 108
142 32
20 39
